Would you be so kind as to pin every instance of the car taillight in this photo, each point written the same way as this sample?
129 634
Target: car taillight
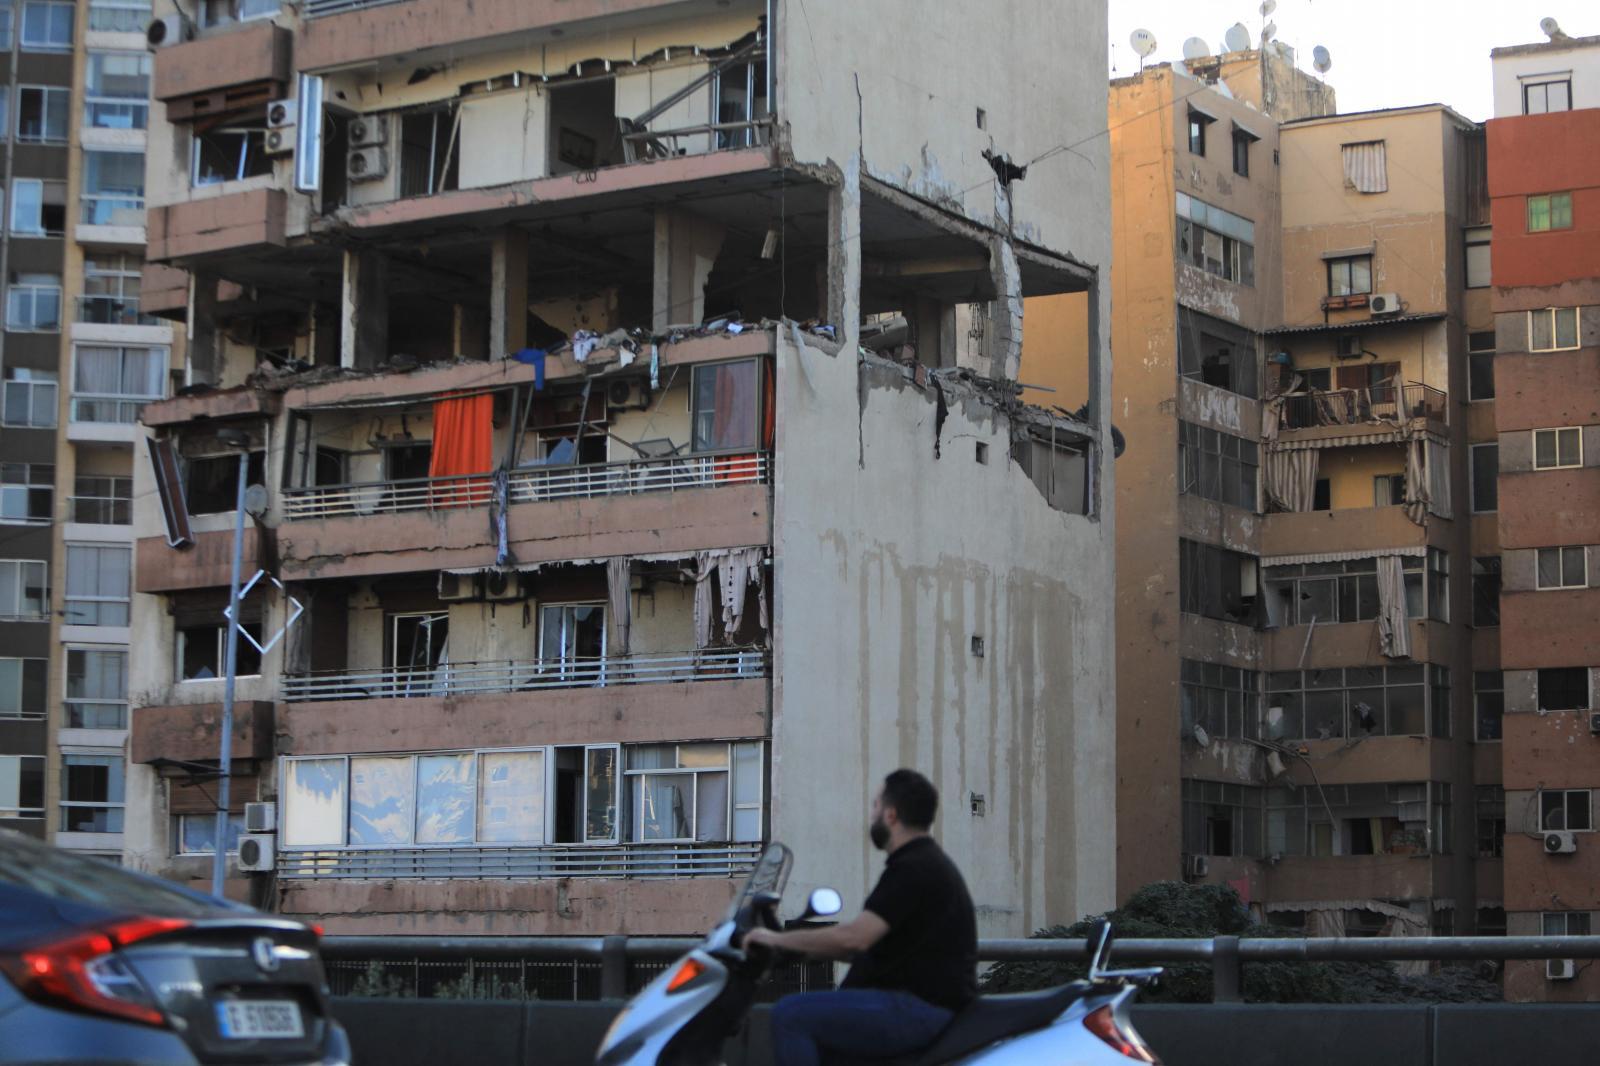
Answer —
1102 1022
83 971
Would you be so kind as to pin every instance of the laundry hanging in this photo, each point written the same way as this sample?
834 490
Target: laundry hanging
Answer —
463 443
1394 629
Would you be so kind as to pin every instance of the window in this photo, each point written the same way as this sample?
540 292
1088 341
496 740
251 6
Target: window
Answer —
1223 700
27 493
33 304
1480 365
117 90
202 651
42 113
1564 923
119 16
113 189
24 590
681 792
6 20
429 154
1438 585
1216 353
91 793
22 686
1486 591
1478 262
97 688
1368 819
211 482
1358 701
1485 478
1217 241
111 291
102 501
1561 568
1217 466
1564 688
1549 211
727 407
1542 97
1489 703
1350 276
572 638
1366 167
418 644
1217 583
1242 140
112 384
1221 819
1557 449
1337 592
197 834
1564 808
30 398
21 786
220 12
38 208
232 152
46 26
97 585
1491 806
1552 329
511 800
1198 121
1388 490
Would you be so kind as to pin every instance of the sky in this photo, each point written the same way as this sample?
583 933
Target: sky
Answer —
1386 53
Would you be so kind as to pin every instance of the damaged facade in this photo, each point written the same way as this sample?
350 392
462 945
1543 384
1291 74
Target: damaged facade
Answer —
1294 606
643 444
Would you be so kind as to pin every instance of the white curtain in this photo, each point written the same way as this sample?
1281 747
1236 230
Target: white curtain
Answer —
1394 631
99 371
1325 923
1365 168
619 576
1291 478
1438 478
705 572
1419 496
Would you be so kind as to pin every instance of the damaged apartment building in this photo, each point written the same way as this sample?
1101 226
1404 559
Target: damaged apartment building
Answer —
1297 578
632 392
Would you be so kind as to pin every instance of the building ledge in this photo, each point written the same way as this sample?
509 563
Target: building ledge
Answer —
190 732
102 432
241 402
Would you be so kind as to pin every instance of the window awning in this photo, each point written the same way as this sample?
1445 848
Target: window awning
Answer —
1196 109
1349 253
1380 433
1376 906
1246 130
1414 550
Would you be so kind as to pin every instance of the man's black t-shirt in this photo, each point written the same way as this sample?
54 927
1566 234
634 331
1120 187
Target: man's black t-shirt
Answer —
931 948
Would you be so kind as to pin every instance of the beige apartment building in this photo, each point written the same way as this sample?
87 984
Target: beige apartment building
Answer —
632 388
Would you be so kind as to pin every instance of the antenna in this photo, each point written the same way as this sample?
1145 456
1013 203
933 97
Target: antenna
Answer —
1321 59
1143 43
1268 32
1550 27
1195 48
1237 39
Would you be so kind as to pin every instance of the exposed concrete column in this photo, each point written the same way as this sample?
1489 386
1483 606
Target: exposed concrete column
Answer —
933 329
686 249
1004 338
364 310
205 338
508 294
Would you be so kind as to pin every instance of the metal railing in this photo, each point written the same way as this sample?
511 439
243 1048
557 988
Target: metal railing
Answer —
1354 407
522 675
100 510
321 8
527 485
1226 954
113 311
587 860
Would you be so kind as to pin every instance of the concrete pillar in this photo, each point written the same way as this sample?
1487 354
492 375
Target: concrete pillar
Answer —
933 326
508 294
364 310
1004 336
686 249
205 338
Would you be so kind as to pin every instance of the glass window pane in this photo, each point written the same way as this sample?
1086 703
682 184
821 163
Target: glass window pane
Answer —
702 755
1540 330
711 809
1567 327
747 773
1569 447
600 795
512 807
447 798
726 406
382 794
662 806
313 802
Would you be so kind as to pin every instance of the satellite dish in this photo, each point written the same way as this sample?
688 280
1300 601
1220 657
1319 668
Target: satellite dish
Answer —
1268 32
1320 59
1268 7
1237 39
1550 27
1143 42
1201 737
255 500
1195 48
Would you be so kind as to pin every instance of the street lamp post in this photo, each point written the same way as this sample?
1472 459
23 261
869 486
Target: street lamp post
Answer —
219 854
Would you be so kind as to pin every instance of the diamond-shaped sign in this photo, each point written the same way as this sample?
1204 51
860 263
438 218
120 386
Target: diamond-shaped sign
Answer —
297 609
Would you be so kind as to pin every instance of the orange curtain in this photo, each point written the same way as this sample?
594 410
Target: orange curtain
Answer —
746 467
463 443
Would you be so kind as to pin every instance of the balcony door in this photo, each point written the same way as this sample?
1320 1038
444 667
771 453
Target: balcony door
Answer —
572 641
419 652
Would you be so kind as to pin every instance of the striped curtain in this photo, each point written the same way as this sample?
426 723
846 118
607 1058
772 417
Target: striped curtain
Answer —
1364 167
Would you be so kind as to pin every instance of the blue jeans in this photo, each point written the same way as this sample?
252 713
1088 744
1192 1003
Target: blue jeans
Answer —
852 1023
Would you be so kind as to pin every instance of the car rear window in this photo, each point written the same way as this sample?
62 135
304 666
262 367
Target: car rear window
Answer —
29 864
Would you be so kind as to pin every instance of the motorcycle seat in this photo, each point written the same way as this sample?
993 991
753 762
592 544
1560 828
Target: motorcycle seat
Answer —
991 1018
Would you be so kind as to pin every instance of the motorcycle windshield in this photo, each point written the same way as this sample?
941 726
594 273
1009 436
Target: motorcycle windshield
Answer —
770 875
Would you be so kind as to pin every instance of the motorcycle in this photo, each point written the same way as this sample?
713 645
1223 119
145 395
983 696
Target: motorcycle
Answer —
683 1016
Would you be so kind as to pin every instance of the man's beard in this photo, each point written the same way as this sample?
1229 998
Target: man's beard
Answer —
879 834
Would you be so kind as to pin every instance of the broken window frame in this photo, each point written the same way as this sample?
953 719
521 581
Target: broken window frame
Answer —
1207 802
1488 705
418 644
1206 344
214 636
222 471
245 158
169 490
102 810
444 154
1336 693
1208 470
1297 817
1205 573
639 777
1350 275
1232 240
1563 688
756 105
1224 700
566 662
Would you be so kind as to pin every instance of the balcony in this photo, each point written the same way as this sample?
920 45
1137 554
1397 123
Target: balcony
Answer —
113 311
1393 404
626 860
190 732
585 482
470 678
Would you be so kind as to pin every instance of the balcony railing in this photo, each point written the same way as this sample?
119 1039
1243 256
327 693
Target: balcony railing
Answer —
1354 407
113 311
527 485
100 510
320 8
118 410
623 860
467 678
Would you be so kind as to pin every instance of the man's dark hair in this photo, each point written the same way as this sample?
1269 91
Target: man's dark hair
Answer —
913 798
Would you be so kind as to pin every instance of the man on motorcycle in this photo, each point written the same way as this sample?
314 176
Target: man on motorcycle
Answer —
914 946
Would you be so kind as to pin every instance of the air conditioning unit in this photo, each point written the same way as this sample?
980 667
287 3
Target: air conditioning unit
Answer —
1196 865
628 394
455 588
279 140
260 817
169 30
502 585
280 113
256 853
367 164
1594 722
369 131
1384 303
1560 969
1560 843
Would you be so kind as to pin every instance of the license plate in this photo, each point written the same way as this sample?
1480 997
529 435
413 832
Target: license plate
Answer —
260 1019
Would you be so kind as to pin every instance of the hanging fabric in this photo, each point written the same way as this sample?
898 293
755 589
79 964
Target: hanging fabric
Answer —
1438 477
499 500
619 603
705 570
1394 630
1419 495
740 569
1291 479
1365 167
463 443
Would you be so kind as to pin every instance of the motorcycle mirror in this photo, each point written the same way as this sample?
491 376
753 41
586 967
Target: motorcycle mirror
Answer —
1099 942
823 903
